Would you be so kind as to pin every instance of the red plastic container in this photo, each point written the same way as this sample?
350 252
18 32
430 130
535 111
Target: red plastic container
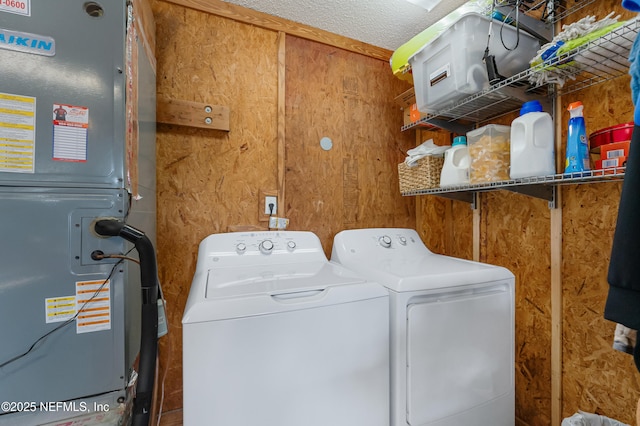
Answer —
618 133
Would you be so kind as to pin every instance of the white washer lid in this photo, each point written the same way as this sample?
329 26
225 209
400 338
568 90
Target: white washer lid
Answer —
261 290
398 259
432 271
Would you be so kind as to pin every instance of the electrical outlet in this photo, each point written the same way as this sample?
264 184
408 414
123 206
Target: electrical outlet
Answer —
266 196
267 208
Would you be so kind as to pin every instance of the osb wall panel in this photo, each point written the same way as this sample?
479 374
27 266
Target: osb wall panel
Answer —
515 233
207 179
595 377
600 9
349 99
444 225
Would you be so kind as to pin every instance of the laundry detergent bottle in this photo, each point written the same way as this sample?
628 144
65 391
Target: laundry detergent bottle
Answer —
455 170
532 143
577 158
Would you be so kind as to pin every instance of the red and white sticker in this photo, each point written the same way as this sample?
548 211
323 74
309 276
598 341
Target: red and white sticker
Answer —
20 7
70 130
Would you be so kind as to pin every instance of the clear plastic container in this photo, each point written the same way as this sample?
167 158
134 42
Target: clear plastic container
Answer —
489 150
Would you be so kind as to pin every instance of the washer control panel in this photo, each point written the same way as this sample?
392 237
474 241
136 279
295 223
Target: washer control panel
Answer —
394 240
271 246
377 244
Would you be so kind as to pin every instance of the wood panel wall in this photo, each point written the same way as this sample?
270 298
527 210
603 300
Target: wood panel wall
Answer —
210 181
332 93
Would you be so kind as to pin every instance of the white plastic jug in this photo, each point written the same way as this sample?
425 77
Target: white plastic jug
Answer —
532 143
455 170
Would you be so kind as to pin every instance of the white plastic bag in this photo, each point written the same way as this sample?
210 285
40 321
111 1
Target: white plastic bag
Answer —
422 150
586 419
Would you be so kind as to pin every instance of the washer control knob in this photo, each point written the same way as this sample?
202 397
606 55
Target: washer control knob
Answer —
241 248
266 246
385 241
291 245
403 241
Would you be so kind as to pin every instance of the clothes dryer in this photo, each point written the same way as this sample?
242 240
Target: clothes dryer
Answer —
274 334
452 329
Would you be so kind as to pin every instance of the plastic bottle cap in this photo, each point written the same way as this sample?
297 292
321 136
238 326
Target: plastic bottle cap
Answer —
459 140
574 105
531 106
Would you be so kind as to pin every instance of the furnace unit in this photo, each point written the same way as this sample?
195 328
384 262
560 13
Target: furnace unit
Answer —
77 143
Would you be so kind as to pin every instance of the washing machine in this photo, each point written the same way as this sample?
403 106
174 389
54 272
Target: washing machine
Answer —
274 334
452 329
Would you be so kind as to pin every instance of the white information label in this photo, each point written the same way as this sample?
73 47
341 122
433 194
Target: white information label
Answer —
17 133
20 7
93 302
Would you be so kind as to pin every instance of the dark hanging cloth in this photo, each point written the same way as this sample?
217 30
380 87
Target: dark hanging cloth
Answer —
623 301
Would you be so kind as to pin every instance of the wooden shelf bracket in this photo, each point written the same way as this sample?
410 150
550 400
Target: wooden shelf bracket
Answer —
192 114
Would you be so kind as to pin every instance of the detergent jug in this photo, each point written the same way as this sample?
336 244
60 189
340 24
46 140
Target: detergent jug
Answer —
455 170
532 143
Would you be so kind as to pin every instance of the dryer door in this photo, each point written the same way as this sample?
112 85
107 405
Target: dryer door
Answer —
460 354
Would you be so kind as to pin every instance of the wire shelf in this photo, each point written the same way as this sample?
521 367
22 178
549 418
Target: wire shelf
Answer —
551 11
600 60
592 176
593 63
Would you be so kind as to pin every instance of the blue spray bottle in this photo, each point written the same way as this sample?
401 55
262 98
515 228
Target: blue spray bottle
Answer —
577 142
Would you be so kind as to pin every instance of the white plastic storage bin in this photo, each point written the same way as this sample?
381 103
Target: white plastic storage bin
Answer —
451 67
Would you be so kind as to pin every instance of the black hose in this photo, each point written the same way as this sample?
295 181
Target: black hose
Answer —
149 327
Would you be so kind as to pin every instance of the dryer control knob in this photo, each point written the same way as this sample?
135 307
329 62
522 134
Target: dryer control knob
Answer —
291 245
241 248
403 241
385 241
266 246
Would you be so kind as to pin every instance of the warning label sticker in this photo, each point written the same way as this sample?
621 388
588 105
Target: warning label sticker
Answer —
93 304
17 133
58 309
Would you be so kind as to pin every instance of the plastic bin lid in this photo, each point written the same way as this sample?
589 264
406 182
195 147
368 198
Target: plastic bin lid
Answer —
531 106
399 60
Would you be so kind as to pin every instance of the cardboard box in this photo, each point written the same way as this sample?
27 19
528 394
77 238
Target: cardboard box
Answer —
406 98
407 101
411 115
614 150
611 163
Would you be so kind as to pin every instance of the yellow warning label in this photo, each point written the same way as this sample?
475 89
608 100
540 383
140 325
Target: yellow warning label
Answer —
58 309
17 124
